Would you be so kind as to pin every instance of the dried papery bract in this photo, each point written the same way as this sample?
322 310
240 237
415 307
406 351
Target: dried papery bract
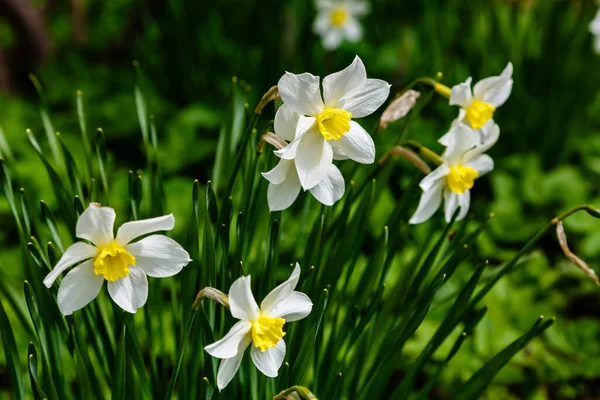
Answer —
399 108
399 151
562 240
271 95
212 294
295 393
271 139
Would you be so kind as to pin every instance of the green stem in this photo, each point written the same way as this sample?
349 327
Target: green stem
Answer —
423 151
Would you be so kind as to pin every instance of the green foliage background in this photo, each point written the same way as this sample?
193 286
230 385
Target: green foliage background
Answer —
547 159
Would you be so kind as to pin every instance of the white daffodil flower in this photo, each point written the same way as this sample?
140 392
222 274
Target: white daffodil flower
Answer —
120 261
478 106
464 162
262 327
284 183
325 130
595 29
337 21
284 186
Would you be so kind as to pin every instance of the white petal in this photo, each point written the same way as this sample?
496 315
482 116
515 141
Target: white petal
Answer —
241 301
281 292
367 99
464 200
294 308
283 195
96 225
490 135
268 362
461 138
358 7
80 286
280 172
301 93
131 292
482 164
429 203
331 189
339 84
134 229
76 253
495 89
338 152
461 94
357 144
289 152
285 123
313 159
434 176
159 256
450 204
228 346
332 39
322 23
229 366
352 30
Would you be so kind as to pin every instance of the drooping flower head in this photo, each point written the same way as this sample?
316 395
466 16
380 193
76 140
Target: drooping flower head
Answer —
337 21
260 327
123 262
595 30
464 162
321 128
478 106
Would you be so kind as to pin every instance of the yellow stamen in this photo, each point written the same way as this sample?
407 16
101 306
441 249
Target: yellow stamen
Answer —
267 331
461 178
478 113
334 123
338 17
113 261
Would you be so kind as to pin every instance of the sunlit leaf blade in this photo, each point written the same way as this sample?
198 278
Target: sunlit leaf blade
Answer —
38 392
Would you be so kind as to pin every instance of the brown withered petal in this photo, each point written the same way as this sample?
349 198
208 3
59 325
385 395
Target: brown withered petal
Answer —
562 240
272 94
399 108
273 140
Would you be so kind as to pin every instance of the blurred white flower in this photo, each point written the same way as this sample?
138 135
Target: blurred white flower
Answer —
120 261
337 21
464 162
321 131
478 106
262 327
595 29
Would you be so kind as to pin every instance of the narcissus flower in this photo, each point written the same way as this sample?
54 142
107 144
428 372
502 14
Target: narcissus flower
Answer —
464 162
337 21
478 106
325 129
260 327
123 262
284 186
284 183
595 29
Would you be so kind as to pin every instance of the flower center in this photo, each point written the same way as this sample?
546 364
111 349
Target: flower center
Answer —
478 113
338 17
334 123
113 261
267 331
461 178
